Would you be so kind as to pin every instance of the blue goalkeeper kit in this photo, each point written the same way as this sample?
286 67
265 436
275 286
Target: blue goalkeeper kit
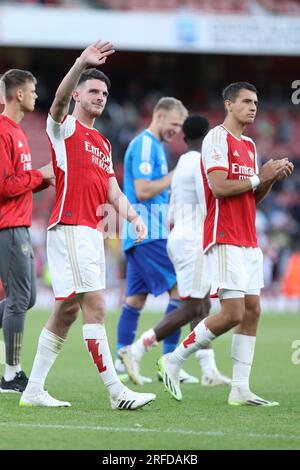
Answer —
149 269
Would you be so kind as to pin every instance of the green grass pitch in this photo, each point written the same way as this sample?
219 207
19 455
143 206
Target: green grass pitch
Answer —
203 420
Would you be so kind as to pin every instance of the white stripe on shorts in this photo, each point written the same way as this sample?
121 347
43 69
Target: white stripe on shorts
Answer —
70 244
222 262
198 271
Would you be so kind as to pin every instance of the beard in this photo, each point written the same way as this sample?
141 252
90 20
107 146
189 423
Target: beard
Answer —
96 111
93 110
165 137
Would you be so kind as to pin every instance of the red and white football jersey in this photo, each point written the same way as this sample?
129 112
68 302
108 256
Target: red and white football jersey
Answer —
82 165
229 220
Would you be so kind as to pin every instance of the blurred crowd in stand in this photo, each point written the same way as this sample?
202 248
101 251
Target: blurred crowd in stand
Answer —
289 7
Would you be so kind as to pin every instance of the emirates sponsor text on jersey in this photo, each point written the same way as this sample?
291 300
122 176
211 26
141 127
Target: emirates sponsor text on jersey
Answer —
26 161
242 170
98 157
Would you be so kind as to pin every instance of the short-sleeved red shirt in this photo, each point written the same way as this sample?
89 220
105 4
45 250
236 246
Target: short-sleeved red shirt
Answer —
83 165
229 220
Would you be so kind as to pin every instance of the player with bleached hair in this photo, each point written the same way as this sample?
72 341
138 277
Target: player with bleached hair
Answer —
85 181
233 187
149 269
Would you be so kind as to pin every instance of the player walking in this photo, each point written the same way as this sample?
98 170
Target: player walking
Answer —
185 241
233 187
149 269
84 181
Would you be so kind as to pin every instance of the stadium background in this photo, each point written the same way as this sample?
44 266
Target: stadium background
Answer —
143 72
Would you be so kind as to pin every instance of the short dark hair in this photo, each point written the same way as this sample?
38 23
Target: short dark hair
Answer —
96 74
195 127
13 79
232 91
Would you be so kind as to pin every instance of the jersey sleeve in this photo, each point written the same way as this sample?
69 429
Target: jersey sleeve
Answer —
12 184
256 168
215 151
111 171
60 130
143 158
57 133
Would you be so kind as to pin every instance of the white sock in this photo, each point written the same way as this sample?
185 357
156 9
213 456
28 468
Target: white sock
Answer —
11 371
199 337
206 358
146 342
242 353
48 348
96 342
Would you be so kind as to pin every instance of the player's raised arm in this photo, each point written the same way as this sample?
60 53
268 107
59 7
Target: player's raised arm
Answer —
93 56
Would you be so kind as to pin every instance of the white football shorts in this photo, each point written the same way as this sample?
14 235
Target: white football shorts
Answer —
76 260
237 269
191 267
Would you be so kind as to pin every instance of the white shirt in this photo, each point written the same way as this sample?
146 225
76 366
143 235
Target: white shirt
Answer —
187 204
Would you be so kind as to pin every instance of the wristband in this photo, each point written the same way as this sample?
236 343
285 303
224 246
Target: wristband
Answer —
255 181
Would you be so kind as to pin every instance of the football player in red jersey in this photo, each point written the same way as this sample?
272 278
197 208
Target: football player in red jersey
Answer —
17 182
184 248
85 181
233 186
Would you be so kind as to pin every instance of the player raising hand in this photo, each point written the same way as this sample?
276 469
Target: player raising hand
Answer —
85 181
